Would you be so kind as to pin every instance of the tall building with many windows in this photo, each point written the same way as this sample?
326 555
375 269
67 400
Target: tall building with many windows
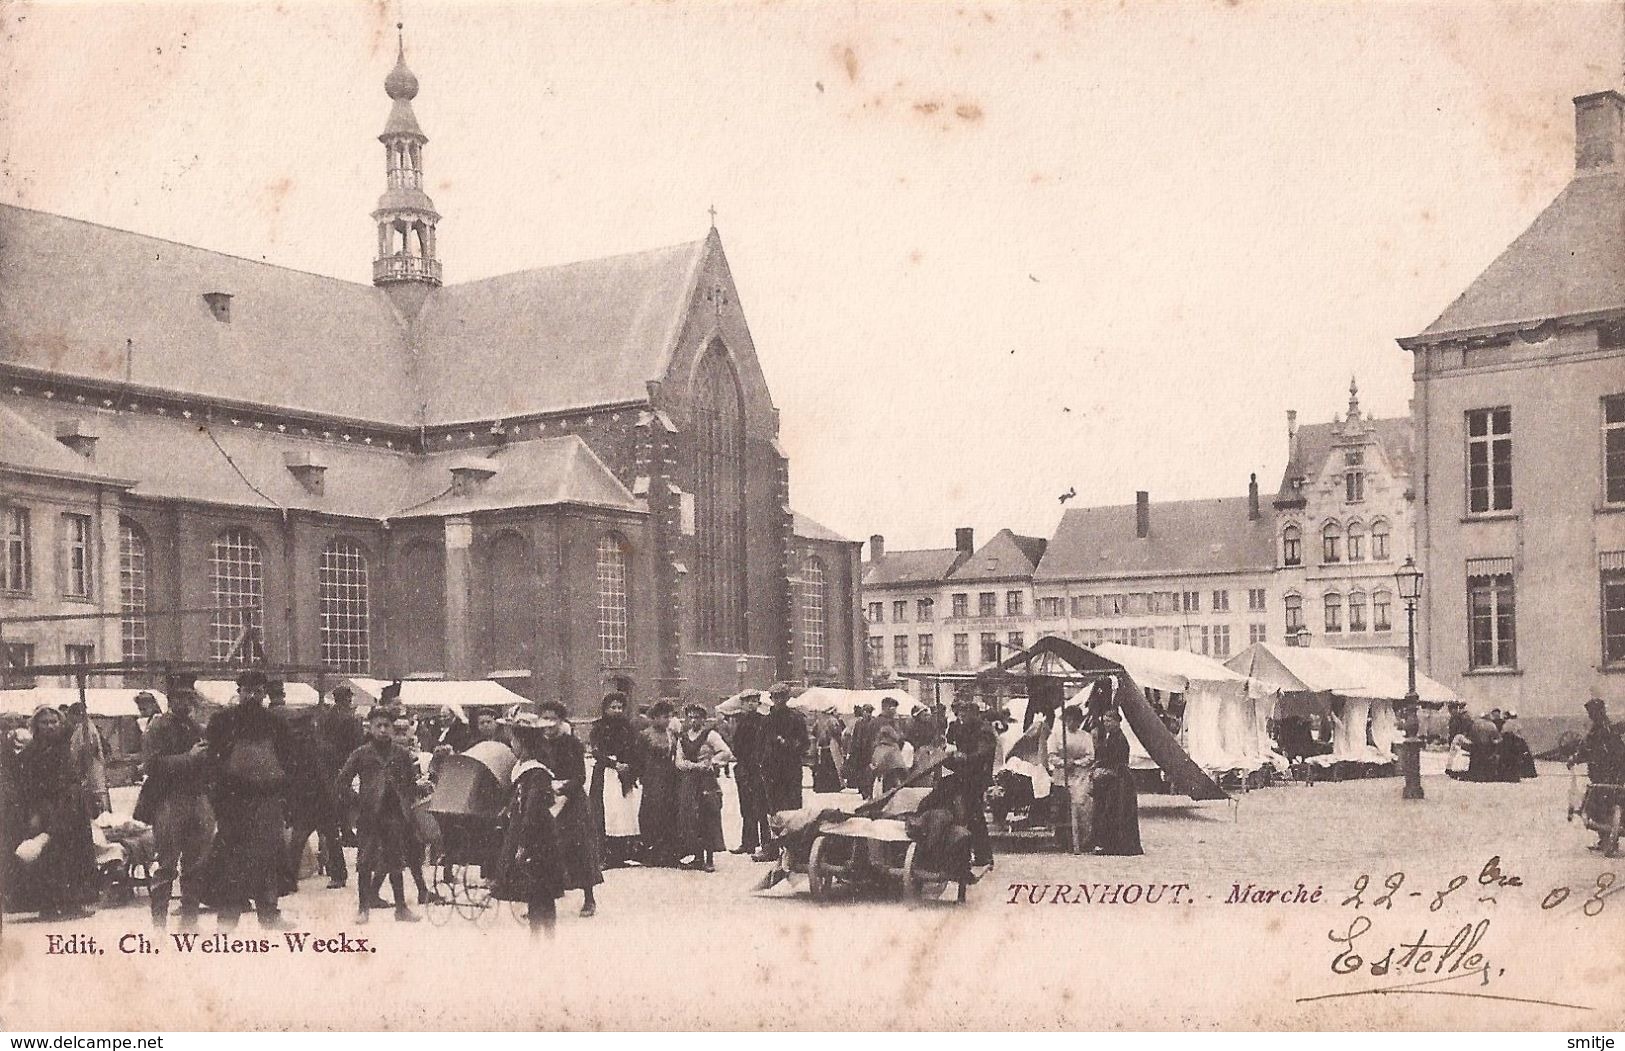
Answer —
1343 518
1520 432
549 477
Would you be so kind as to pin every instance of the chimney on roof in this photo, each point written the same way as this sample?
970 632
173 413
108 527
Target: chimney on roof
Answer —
965 539
1253 513
1142 514
877 547
1599 132
1292 436
78 435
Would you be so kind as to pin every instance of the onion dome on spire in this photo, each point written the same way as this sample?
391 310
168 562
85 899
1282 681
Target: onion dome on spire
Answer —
401 82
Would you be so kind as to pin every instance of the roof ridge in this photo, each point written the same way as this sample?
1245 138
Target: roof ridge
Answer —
617 257
196 248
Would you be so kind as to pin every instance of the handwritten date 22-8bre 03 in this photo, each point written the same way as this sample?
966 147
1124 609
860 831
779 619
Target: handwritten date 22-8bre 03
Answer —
1426 959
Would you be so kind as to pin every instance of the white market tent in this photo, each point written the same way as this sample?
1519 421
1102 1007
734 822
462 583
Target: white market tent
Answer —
224 692
845 702
102 702
1226 713
1370 684
438 693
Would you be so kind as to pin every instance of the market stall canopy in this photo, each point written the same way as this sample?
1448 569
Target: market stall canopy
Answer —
733 705
105 702
1172 671
439 693
1347 673
224 692
1061 658
845 702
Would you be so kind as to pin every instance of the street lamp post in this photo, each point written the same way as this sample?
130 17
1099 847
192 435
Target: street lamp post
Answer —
1409 579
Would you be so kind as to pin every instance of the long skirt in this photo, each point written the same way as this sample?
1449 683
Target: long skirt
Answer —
1079 809
699 813
578 849
657 814
826 777
532 870
64 875
1116 823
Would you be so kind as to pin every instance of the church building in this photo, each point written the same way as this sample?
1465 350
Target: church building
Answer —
553 478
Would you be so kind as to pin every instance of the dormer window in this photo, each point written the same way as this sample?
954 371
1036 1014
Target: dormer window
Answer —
308 468
219 305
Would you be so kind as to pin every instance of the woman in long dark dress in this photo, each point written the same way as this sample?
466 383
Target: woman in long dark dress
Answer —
700 751
530 865
1116 824
566 757
614 790
827 756
51 801
657 766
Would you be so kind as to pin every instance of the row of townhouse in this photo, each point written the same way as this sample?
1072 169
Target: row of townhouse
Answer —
1211 576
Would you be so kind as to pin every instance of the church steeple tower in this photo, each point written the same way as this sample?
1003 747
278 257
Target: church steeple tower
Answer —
405 215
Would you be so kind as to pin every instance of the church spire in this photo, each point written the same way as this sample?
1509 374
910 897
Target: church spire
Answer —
405 216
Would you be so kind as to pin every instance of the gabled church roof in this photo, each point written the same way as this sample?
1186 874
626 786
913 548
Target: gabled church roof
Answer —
559 337
74 292
555 338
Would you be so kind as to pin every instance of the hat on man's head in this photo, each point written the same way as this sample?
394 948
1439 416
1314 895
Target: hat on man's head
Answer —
342 691
888 702
779 689
176 681
1596 704
252 679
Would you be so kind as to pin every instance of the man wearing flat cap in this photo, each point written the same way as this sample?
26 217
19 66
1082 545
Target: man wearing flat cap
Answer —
251 753
783 745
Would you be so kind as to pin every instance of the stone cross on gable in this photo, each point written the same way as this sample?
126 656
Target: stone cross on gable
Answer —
718 298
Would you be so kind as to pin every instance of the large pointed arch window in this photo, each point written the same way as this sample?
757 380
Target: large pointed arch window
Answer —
719 503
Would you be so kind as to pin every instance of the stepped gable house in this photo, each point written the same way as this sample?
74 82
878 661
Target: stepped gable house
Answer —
549 477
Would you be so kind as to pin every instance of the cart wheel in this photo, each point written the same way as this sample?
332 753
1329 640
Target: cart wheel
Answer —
912 885
819 880
1610 838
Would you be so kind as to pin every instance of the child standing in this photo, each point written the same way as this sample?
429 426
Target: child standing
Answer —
384 828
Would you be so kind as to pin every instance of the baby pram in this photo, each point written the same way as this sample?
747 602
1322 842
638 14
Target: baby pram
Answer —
471 790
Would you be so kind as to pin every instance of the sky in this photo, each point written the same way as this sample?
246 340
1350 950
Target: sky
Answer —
988 253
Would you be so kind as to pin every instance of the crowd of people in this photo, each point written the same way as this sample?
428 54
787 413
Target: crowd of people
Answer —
1488 748
234 800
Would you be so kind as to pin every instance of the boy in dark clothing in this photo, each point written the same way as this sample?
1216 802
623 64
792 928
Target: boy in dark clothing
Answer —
388 787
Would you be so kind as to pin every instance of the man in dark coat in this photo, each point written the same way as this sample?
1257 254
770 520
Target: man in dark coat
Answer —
1604 755
972 744
338 732
174 800
1484 742
250 753
860 752
783 747
747 749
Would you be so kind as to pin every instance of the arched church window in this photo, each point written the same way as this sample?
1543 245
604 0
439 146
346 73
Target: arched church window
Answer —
814 618
719 503
237 580
612 643
346 607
